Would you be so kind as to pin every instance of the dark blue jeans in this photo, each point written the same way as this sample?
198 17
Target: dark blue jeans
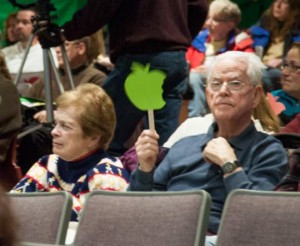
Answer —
173 63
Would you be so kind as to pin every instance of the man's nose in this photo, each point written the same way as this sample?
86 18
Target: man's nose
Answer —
224 87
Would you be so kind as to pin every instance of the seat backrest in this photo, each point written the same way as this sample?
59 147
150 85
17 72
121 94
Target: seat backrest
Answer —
260 218
43 217
144 218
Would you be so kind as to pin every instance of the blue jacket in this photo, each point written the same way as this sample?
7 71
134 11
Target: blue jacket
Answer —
262 157
261 37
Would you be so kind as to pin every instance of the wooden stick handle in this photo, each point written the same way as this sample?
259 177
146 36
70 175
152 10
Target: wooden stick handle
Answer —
151 119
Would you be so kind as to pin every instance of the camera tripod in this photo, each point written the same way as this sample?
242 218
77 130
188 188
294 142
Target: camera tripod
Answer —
43 15
49 64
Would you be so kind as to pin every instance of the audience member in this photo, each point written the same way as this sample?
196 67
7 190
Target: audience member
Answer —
265 120
8 222
81 54
11 33
278 27
231 155
85 123
15 54
10 125
149 31
219 36
289 95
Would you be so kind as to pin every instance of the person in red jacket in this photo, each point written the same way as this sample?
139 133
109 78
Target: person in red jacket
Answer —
220 35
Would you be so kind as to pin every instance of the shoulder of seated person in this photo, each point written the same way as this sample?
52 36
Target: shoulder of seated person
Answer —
195 120
242 36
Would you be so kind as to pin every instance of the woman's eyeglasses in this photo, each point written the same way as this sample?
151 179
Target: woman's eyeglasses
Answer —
291 66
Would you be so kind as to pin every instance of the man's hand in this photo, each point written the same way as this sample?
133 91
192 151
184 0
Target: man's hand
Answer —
49 35
147 150
41 116
219 151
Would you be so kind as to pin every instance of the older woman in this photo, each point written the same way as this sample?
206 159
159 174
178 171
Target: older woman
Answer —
85 122
289 95
80 53
220 35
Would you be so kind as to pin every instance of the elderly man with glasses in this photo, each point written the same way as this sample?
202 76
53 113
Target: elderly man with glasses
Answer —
231 155
289 95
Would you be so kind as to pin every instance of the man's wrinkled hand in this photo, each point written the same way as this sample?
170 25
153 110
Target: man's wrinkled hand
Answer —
147 150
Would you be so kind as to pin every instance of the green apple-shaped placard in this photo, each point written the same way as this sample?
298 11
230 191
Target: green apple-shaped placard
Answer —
144 87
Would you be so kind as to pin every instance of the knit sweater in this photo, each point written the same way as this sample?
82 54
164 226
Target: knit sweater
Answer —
97 171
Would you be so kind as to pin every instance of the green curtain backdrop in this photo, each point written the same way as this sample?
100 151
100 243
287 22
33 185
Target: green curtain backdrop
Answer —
64 9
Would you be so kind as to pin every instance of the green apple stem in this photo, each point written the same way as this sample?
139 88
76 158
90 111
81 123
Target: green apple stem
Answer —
151 119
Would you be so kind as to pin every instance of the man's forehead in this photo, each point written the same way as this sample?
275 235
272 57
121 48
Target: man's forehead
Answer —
25 14
232 73
226 66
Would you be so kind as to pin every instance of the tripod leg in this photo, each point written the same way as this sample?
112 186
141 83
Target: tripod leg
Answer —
56 75
67 65
18 76
48 89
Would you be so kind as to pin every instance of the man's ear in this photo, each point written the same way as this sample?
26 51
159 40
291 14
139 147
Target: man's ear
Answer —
82 48
258 94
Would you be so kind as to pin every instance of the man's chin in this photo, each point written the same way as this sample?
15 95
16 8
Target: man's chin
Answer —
222 114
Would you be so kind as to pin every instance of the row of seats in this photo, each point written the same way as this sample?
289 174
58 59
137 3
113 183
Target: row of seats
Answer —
160 218
114 218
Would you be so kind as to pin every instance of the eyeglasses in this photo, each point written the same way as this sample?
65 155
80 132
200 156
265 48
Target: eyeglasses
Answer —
291 66
231 85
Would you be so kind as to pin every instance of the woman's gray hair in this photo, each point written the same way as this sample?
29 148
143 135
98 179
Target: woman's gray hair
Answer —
254 64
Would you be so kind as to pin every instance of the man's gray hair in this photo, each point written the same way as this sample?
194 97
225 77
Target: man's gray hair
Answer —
254 65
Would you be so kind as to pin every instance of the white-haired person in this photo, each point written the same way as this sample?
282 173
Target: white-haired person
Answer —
231 155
